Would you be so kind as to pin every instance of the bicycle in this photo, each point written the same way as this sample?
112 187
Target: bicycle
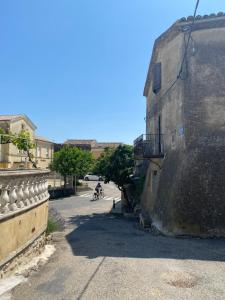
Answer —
95 196
101 194
98 195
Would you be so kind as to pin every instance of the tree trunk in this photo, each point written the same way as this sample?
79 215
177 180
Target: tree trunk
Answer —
30 159
75 184
128 205
64 178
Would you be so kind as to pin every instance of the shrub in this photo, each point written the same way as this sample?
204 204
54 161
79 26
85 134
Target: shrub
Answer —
52 225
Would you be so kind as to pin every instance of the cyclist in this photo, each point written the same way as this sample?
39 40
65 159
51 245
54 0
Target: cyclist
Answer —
98 188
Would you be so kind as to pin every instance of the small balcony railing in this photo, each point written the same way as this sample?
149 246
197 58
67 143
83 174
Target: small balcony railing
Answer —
149 146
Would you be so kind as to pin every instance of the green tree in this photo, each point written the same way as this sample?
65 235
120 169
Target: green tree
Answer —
117 165
23 141
120 166
71 161
102 163
4 137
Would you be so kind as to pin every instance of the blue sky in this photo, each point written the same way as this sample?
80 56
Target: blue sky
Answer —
77 68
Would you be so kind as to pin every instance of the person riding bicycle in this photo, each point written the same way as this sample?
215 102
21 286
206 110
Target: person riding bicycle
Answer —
98 188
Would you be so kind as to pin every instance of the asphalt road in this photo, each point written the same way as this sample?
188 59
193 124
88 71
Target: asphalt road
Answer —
101 256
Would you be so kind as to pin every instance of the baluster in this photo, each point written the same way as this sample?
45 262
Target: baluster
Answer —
26 193
43 187
13 196
40 189
31 191
20 194
46 188
36 192
4 199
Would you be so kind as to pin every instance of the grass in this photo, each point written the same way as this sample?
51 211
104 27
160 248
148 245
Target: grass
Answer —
52 225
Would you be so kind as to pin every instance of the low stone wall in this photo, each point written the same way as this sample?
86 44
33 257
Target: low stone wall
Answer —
24 258
61 192
23 211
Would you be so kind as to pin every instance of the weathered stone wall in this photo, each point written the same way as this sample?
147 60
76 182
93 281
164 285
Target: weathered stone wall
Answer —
24 257
203 189
188 196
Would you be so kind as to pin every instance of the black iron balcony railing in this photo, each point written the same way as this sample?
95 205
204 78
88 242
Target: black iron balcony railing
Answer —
149 146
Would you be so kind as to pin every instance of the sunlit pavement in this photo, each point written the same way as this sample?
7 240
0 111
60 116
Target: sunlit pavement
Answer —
101 256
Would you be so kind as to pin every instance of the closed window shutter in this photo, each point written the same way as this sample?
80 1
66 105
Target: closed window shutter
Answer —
157 78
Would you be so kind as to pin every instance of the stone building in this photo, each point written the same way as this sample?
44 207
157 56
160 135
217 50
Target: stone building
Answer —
95 147
11 157
184 147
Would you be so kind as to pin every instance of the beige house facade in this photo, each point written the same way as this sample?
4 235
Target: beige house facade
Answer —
95 147
13 158
43 152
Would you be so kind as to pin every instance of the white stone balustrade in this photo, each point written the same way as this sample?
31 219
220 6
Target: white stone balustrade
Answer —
21 189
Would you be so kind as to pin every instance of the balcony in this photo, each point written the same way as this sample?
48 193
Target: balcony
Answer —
149 146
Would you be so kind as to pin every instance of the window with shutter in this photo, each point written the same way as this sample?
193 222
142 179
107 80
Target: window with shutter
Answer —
157 78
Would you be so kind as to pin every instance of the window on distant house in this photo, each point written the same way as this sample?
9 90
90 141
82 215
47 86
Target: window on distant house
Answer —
47 152
38 151
156 87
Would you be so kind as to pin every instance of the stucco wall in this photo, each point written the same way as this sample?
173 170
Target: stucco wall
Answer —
169 106
19 230
170 109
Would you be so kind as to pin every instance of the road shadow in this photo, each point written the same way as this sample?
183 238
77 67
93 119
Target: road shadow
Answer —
106 235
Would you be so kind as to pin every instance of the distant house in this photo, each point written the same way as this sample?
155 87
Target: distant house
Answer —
183 150
82 144
95 147
11 157
44 152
